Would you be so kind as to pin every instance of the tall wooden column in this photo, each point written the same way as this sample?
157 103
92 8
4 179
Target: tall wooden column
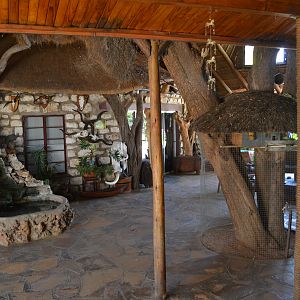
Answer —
157 174
297 242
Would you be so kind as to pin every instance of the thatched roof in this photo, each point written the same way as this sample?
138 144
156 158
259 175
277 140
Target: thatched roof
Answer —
251 111
74 65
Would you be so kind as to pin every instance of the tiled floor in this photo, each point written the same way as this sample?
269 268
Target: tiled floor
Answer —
107 253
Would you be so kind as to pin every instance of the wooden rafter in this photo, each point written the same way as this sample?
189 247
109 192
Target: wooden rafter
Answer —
232 67
222 82
139 34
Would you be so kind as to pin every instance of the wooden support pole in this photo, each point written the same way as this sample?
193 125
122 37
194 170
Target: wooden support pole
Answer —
157 174
297 242
233 68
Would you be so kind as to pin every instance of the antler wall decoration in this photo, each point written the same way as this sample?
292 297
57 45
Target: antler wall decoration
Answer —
89 133
13 102
42 100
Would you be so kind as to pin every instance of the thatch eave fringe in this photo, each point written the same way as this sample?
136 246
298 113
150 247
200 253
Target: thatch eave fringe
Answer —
250 112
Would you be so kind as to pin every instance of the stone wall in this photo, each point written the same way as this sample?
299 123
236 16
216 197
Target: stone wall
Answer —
11 123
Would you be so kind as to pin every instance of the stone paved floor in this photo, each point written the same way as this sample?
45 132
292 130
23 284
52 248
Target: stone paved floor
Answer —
107 253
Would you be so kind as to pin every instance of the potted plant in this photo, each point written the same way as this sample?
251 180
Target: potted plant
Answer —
90 166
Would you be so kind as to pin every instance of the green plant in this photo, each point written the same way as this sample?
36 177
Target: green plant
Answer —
103 170
45 172
87 164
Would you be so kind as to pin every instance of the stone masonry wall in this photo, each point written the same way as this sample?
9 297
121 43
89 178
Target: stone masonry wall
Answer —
11 123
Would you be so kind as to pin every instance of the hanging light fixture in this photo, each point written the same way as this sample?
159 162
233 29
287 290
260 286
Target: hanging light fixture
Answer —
209 53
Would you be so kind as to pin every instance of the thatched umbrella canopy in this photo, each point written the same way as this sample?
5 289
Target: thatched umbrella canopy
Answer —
250 112
62 64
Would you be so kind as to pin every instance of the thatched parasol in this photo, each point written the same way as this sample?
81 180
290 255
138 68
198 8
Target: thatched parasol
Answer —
250 112
74 65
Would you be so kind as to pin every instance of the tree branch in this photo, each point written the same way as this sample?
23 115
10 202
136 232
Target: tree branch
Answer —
23 44
139 112
127 102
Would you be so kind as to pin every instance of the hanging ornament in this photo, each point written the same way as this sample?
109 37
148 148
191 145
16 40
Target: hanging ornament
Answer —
209 53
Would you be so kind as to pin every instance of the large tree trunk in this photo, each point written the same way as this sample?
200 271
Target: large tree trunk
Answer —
290 85
185 67
269 165
132 137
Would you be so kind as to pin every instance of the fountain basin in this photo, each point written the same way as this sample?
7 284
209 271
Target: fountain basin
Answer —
34 218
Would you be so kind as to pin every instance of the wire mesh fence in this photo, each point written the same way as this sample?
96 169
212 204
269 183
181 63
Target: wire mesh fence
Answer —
263 214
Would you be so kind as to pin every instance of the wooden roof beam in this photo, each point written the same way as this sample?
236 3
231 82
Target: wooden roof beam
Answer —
222 82
284 8
141 34
233 68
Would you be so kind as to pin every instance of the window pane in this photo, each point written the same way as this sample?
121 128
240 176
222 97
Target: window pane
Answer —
56 156
54 133
281 56
58 167
55 121
55 142
55 147
34 133
249 55
39 143
34 122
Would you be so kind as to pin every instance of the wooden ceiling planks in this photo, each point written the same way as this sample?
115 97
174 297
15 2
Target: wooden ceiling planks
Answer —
32 11
92 7
236 20
51 14
285 8
122 14
70 13
81 10
4 11
97 14
61 12
110 4
23 11
13 11
42 12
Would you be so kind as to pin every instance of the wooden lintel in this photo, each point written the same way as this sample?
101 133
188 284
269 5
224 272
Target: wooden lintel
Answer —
141 34
233 68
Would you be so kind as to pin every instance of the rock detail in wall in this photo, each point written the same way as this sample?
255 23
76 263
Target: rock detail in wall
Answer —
60 105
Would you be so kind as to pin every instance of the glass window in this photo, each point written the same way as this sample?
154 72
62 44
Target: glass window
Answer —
45 132
249 55
280 58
